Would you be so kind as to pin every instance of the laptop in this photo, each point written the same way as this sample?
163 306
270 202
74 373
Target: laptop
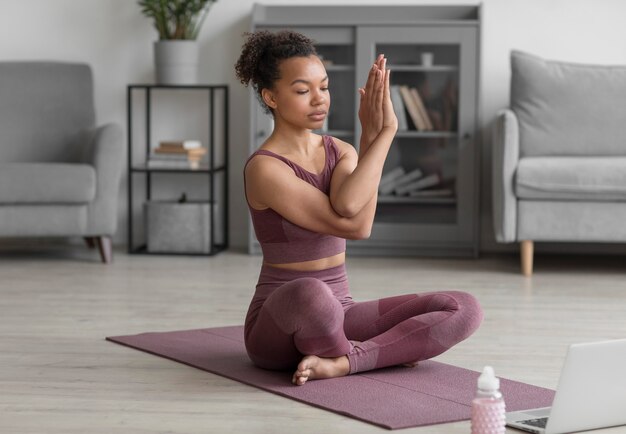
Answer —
591 392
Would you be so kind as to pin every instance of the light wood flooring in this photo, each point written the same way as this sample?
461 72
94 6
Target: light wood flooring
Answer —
59 375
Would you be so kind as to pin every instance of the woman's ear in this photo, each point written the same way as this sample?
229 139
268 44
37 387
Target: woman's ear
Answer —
268 98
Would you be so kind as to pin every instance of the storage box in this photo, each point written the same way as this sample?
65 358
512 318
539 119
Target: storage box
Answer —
181 227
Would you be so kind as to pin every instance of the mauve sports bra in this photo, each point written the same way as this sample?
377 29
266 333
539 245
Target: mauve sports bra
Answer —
283 242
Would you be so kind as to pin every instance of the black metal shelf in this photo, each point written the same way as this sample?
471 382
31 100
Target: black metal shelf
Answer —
205 169
177 86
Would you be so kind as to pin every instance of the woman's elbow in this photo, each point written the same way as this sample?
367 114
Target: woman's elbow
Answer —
365 233
346 207
362 232
346 210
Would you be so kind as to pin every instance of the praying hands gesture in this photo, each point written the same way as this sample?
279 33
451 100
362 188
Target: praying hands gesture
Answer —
376 110
354 187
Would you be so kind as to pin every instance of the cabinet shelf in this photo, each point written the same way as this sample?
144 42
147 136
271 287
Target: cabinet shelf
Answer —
410 134
416 68
426 134
416 200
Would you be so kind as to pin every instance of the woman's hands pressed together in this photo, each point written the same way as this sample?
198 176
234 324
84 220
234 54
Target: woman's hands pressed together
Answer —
375 109
354 187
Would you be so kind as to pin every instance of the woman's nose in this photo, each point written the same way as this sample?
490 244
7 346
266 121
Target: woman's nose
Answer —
318 98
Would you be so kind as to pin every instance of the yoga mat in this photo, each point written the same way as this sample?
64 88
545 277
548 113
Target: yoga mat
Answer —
395 397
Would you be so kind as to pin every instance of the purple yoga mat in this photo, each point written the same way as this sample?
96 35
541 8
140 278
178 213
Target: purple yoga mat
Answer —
396 397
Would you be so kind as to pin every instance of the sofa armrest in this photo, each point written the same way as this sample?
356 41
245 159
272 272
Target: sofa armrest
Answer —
104 150
505 159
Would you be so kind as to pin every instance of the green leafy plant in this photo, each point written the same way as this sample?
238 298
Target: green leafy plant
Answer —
176 19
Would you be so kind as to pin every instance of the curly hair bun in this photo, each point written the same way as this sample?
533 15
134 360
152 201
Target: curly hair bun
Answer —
261 54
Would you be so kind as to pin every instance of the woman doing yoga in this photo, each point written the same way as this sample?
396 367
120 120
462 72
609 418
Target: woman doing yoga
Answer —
307 194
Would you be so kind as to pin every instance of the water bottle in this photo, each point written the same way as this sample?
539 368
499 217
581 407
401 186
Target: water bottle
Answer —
488 410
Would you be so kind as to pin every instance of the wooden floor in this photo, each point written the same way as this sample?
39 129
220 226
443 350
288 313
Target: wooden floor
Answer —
59 375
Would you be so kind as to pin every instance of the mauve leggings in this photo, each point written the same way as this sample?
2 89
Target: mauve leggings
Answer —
297 313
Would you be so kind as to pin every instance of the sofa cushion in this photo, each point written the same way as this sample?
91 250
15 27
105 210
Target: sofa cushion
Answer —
43 106
567 108
571 178
39 183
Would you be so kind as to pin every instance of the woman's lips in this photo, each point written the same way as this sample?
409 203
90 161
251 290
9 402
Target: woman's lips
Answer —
318 116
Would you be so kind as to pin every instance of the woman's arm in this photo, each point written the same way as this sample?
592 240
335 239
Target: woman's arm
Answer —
270 183
355 180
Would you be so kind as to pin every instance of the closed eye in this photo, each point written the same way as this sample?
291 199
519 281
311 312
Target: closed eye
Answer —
308 83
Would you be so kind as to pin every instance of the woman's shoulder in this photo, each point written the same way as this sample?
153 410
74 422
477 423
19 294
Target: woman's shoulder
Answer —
343 148
263 162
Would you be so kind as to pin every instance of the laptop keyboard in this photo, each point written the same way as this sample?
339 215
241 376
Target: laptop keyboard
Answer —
539 423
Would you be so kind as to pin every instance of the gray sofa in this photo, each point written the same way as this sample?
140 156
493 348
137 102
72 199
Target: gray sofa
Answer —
559 156
59 172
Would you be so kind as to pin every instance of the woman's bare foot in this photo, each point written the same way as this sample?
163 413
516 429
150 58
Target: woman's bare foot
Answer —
314 367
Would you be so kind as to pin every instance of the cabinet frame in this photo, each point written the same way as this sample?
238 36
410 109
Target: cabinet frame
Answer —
364 26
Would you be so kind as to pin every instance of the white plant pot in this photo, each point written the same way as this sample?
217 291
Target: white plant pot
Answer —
176 61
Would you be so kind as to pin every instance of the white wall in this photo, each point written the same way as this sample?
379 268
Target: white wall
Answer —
116 40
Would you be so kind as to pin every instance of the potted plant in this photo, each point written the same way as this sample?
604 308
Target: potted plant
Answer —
178 23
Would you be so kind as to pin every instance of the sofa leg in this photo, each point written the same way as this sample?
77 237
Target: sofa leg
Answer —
91 243
105 248
527 257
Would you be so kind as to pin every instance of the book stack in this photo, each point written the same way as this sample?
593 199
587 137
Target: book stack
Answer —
414 114
177 155
415 107
398 182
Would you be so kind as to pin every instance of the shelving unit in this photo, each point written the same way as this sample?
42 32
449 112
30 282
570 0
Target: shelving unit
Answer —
348 39
215 171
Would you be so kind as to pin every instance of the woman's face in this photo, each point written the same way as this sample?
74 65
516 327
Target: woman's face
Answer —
301 97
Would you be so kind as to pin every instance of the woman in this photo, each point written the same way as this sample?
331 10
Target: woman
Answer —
308 193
